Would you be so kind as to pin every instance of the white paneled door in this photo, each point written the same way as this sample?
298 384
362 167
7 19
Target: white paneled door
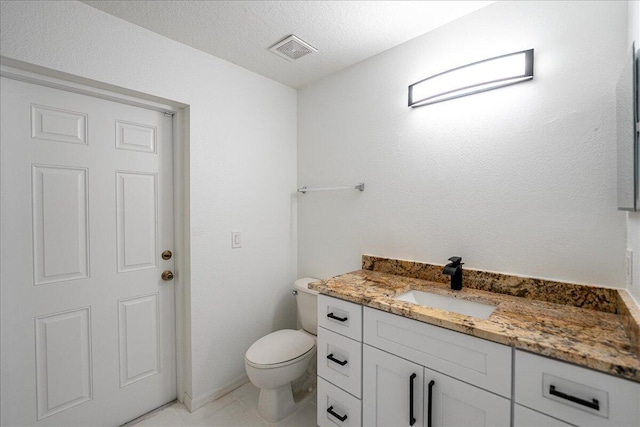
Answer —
88 323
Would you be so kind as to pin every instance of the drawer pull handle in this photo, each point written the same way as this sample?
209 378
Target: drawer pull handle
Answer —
339 319
339 362
431 384
412 419
594 404
341 418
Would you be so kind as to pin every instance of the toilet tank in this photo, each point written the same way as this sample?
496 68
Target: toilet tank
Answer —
307 304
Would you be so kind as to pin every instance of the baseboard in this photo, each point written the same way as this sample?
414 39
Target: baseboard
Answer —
193 404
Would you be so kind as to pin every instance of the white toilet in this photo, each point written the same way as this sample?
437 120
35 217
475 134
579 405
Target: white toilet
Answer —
276 360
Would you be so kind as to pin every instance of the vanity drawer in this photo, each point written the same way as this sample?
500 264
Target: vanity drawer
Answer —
482 363
340 316
340 361
575 394
337 407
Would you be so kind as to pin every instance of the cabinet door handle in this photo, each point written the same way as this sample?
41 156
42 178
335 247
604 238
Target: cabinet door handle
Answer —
339 319
412 420
341 418
594 404
333 359
431 384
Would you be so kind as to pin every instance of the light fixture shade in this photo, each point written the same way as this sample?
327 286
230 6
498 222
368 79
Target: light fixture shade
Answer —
473 78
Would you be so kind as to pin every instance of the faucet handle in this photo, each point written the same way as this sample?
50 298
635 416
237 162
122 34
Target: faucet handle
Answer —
456 261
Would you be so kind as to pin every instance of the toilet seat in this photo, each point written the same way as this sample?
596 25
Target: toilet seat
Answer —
279 348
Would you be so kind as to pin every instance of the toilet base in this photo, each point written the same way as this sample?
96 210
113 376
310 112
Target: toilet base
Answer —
276 404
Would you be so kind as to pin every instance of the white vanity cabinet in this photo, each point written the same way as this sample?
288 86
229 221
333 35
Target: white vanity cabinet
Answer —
401 392
573 394
381 369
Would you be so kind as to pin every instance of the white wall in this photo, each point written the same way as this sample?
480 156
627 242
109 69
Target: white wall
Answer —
242 167
633 221
519 180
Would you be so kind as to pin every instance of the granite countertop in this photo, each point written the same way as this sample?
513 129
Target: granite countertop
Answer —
586 325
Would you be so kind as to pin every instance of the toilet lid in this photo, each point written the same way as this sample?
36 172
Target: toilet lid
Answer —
279 346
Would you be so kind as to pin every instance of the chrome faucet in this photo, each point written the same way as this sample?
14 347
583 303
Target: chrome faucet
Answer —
454 269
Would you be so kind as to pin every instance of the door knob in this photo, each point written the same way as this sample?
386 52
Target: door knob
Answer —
167 275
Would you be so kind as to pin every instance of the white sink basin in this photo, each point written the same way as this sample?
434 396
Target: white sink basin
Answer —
456 305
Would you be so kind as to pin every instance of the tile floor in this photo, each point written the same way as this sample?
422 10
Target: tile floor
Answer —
237 408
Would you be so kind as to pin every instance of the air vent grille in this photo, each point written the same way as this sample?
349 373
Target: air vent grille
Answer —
292 48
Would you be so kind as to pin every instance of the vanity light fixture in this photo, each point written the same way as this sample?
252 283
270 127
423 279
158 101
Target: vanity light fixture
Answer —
473 78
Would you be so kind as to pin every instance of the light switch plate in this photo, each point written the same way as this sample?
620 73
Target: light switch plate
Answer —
236 239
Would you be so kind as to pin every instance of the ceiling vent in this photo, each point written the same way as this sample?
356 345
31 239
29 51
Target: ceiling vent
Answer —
292 48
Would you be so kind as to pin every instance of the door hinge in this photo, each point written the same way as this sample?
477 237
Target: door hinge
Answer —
168 113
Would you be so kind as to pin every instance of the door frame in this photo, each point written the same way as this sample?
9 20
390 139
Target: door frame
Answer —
30 73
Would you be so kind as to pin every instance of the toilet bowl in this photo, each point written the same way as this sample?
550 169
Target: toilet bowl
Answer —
279 358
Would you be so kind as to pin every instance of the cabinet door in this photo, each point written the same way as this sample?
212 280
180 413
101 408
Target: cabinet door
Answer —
389 383
458 404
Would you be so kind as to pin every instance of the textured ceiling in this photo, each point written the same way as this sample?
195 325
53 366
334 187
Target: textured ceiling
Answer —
344 32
